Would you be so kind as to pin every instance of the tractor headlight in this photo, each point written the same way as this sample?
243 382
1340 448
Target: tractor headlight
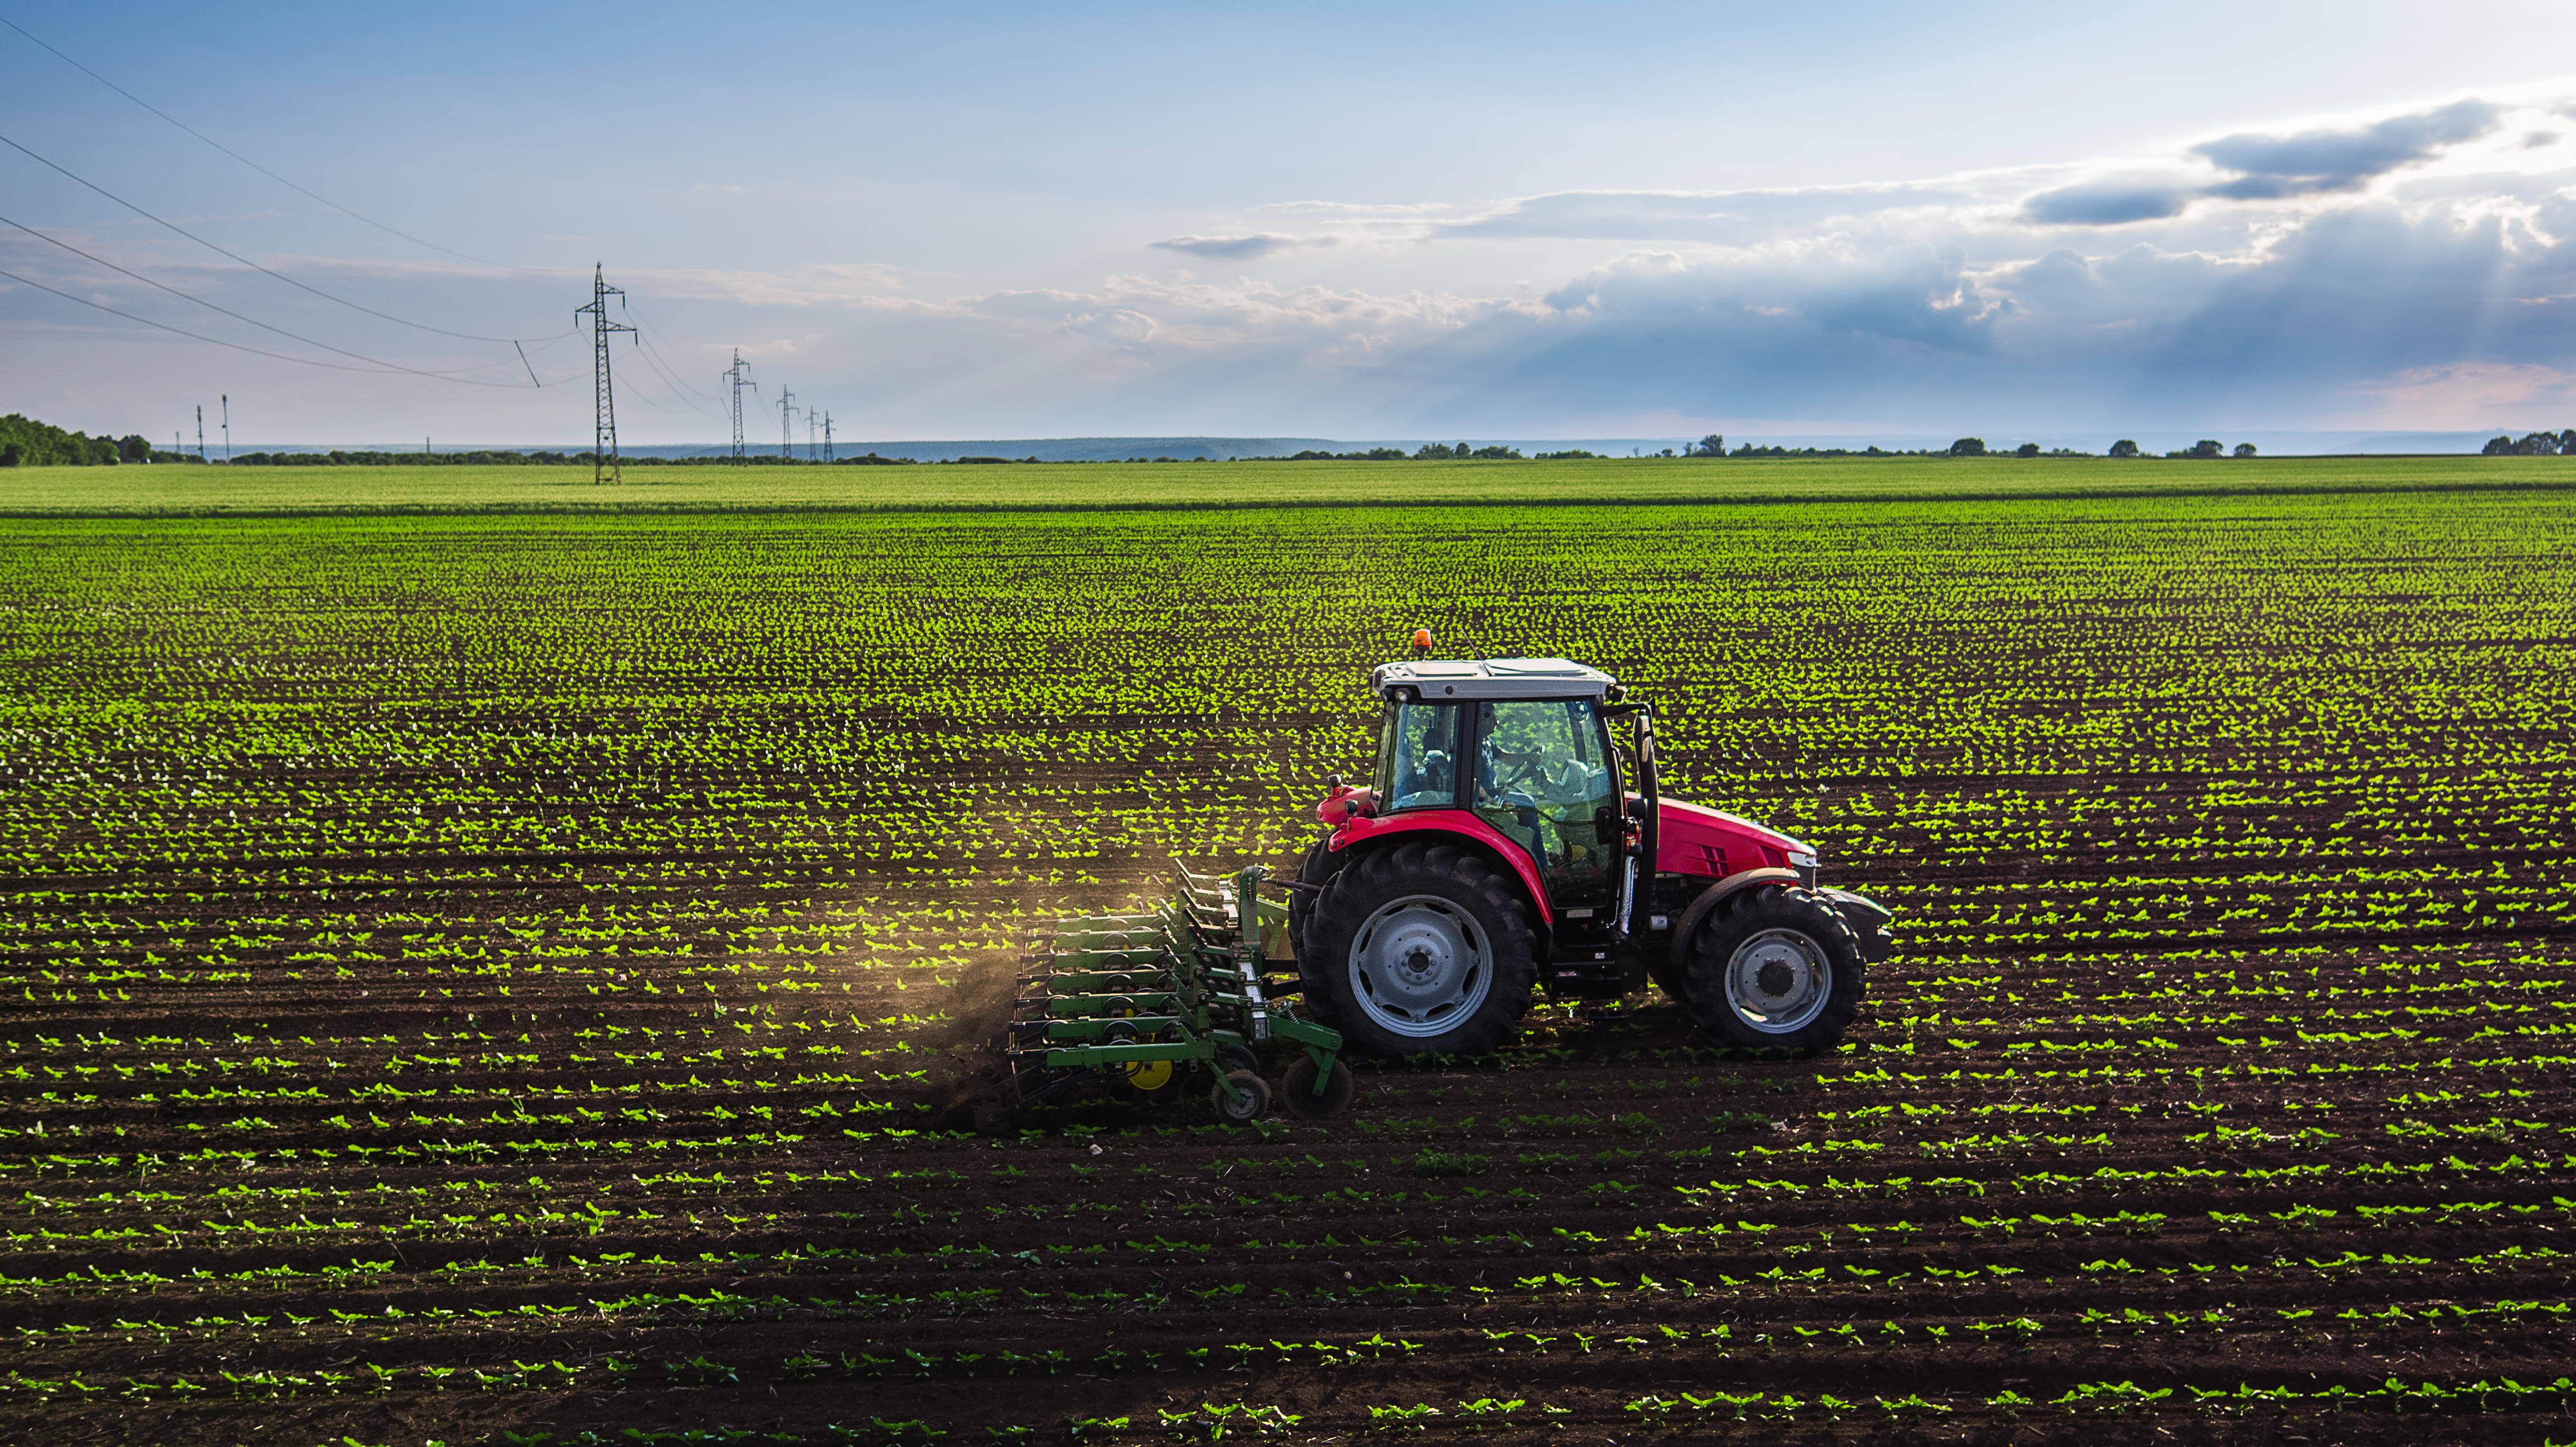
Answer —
1804 862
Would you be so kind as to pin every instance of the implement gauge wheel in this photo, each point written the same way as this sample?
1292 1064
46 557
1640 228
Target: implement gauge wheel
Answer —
1420 947
1243 1109
1775 969
1297 1092
1148 1079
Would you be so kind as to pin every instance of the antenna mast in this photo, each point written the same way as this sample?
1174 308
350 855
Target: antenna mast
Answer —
603 455
739 374
786 444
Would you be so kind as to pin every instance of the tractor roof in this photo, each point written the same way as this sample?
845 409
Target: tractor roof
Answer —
1479 678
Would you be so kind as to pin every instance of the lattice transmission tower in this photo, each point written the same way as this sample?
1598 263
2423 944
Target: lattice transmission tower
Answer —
786 405
604 464
739 374
827 437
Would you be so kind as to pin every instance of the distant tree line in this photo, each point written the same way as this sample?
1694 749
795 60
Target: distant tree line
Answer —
2537 444
420 459
537 459
1714 445
1428 452
25 442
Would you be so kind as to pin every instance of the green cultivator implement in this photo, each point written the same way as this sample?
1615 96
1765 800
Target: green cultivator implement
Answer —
1143 1006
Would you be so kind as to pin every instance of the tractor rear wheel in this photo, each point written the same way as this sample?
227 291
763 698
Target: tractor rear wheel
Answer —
1317 870
1774 969
1419 948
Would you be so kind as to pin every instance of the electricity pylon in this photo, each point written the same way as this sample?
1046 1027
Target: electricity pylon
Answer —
827 437
812 424
786 444
603 452
739 374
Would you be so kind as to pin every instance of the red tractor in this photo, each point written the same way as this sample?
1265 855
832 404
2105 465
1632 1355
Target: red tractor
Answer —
1511 842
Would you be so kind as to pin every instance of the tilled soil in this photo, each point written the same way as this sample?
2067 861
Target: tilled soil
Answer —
523 982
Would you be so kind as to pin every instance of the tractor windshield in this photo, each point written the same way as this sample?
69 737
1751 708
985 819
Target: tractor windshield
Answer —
1417 755
1543 778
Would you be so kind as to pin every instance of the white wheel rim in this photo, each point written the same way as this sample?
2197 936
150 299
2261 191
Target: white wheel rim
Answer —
1778 981
1420 967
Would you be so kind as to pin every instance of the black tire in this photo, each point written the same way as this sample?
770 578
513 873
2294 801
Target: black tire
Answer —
1427 888
1255 1100
1297 1090
1669 976
1779 951
1667 967
1319 867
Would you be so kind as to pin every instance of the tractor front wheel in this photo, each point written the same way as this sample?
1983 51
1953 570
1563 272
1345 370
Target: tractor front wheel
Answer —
1775 969
1420 948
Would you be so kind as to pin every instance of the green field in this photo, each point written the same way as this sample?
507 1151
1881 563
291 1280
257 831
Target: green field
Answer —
502 980
210 490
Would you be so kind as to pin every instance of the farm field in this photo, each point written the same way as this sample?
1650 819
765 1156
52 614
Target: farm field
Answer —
505 979
448 489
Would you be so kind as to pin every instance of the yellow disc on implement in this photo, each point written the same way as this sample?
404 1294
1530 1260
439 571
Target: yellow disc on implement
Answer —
1148 1074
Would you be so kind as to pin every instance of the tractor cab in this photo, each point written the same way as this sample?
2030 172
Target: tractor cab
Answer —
1510 840
1521 744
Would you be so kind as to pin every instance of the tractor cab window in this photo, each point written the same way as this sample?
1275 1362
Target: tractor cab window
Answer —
1417 757
1543 777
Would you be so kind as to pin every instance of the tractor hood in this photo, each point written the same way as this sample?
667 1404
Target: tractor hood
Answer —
1695 839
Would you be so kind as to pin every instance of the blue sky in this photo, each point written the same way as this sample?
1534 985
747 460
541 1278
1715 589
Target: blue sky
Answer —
1503 220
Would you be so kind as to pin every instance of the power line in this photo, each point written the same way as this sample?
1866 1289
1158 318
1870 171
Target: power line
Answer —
244 260
236 346
237 316
245 160
646 332
661 368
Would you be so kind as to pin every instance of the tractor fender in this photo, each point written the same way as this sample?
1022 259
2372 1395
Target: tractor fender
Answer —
1473 831
1715 895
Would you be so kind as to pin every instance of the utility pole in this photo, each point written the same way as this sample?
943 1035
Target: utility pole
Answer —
228 425
739 374
827 437
603 465
201 432
786 445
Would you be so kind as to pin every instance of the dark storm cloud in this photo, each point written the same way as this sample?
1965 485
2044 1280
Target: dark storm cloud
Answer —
2271 168
2313 161
2107 203
1236 248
